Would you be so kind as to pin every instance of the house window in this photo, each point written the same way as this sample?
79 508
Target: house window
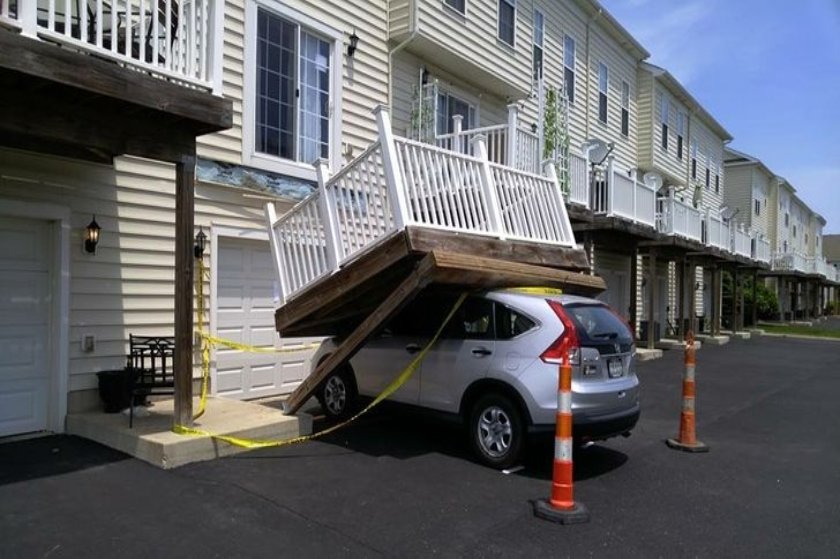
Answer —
569 67
717 179
625 108
758 207
507 20
794 231
694 161
292 90
708 171
664 111
680 133
457 5
784 246
449 105
787 219
603 88
539 34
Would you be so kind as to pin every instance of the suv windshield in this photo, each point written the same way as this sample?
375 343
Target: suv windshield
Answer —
597 323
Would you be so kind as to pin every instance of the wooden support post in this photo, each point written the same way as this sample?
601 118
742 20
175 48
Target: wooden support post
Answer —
681 298
755 299
634 288
184 225
735 313
410 286
652 297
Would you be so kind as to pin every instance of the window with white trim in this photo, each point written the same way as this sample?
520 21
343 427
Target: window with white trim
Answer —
291 81
507 21
449 105
694 160
758 207
603 89
569 67
717 177
625 108
708 170
680 133
664 114
539 36
457 5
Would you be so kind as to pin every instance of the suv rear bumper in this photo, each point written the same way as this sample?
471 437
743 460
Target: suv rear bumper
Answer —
602 427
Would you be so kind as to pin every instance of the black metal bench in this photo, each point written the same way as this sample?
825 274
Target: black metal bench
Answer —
150 363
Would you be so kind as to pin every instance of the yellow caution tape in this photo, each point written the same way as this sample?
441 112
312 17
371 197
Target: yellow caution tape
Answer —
207 340
213 340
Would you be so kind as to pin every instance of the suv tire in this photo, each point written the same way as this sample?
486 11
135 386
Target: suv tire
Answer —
337 394
496 430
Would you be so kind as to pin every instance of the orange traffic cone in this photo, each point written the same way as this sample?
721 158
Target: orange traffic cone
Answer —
687 439
561 507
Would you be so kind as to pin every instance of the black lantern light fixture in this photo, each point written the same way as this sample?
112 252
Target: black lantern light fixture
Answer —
92 236
200 241
354 42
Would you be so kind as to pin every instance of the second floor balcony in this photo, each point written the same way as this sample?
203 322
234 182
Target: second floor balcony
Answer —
176 40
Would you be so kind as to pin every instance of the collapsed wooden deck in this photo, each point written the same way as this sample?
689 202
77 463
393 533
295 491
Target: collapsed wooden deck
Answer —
356 301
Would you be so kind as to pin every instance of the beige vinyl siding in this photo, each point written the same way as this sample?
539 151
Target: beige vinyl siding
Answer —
772 212
128 285
474 39
644 103
709 144
365 80
739 182
491 109
760 190
666 161
783 232
399 18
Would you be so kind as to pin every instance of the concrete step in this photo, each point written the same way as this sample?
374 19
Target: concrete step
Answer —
671 343
712 340
644 354
153 441
740 334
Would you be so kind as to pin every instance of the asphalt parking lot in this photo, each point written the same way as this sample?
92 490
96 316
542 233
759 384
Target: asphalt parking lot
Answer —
395 484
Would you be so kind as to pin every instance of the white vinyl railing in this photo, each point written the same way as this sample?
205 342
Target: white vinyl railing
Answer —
717 232
527 151
398 182
762 250
578 180
679 218
616 194
525 145
790 261
179 40
741 242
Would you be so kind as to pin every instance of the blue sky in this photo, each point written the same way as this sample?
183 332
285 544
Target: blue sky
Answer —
767 70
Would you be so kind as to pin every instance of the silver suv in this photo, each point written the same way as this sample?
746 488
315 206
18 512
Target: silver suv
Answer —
496 365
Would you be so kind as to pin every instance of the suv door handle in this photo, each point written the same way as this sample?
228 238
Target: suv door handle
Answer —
412 348
481 351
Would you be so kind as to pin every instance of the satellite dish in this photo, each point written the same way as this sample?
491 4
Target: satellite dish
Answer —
653 180
727 212
596 150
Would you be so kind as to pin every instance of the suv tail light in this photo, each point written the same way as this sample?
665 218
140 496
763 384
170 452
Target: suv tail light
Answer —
567 342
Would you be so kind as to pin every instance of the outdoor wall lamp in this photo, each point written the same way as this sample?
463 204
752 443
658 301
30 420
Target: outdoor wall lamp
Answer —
354 42
200 242
92 236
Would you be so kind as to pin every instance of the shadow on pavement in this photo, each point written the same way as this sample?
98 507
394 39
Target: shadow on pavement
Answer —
52 456
401 433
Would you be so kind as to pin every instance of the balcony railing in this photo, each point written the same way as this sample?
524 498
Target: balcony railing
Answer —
679 218
717 231
176 40
762 250
578 180
616 194
398 182
790 262
741 242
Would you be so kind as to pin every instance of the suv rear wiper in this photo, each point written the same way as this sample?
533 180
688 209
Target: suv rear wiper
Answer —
609 335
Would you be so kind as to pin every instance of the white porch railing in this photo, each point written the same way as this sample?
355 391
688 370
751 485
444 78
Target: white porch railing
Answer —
741 242
507 144
679 218
398 182
717 231
622 196
762 250
179 40
578 180
790 261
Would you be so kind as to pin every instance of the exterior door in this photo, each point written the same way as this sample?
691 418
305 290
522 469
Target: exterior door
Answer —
25 309
244 309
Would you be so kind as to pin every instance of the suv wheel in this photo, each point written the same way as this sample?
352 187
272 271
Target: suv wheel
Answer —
337 394
496 430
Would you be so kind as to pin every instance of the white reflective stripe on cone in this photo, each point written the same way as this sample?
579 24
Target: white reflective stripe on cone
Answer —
564 402
689 372
562 449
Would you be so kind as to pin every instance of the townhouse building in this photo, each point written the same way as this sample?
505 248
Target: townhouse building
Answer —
784 225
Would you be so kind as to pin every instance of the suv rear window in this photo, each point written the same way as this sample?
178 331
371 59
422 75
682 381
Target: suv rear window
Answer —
597 323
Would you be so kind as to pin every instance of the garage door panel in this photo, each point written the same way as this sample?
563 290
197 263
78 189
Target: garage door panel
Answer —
23 352
23 407
246 291
24 245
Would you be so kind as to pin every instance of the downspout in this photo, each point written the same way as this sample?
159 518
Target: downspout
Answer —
589 22
413 35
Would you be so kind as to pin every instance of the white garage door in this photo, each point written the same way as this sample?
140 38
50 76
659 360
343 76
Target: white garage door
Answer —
25 254
245 313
